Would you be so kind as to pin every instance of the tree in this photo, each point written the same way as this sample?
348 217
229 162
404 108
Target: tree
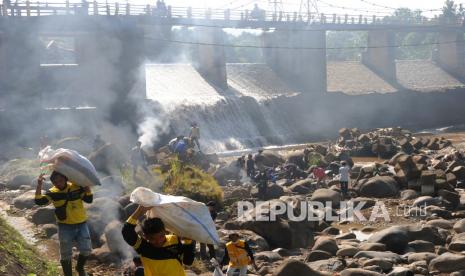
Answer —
450 14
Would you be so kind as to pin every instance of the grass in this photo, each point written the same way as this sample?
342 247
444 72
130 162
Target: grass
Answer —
18 257
191 182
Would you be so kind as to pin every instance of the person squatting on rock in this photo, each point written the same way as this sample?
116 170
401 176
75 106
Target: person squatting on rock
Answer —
138 159
239 255
68 198
161 254
344 172
211 248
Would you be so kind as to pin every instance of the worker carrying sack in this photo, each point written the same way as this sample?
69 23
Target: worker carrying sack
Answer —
78 169
181 215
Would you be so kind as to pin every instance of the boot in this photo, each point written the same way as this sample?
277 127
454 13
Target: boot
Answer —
80 265
67 267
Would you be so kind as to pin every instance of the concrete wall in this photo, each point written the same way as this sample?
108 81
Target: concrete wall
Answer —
451 53
378 57
210 60
305 68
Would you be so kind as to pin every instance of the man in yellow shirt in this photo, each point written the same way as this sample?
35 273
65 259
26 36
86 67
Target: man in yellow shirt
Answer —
68 198
239 255
161 254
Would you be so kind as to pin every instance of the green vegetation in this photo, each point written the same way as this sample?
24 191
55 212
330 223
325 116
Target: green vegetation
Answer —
315 159
191 182
19 258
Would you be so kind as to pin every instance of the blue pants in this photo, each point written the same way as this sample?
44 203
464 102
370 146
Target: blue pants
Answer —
70 233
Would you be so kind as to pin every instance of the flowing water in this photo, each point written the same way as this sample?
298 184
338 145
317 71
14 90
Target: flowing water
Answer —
243 116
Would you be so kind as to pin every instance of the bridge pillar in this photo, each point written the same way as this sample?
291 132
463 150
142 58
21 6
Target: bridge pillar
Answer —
304 67
451 53
378 57
211 60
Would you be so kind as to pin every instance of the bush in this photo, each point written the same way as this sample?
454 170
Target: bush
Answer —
191 182
315 159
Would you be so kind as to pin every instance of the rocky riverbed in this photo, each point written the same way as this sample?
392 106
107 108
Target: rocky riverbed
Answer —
419 187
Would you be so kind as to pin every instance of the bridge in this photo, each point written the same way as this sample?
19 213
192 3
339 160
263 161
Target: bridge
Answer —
114 41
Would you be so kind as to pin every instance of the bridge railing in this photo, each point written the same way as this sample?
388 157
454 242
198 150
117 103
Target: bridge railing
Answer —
31 8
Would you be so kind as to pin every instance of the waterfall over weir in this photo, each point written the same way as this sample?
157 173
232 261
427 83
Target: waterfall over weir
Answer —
245 115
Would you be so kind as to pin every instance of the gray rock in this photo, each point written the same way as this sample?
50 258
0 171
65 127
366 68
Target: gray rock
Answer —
347 251
19 180
296 268
25 200
384 264
442 223
317 255
359 272
459 226
401 271
395 258
325 195
372 246
421 246
395 238
448 262
326 244
50 229
43 215
268 256
424 256
378 186
408 194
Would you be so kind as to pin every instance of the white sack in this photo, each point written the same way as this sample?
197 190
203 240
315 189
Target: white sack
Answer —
70 163
181 215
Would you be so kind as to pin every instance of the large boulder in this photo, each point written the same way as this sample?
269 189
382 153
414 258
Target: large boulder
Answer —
268 159
228 172
423 256
326 244
43 215
25 201
395 238
326 195
297 157
19 180
283 232
447 263
459 226
296 268
379 187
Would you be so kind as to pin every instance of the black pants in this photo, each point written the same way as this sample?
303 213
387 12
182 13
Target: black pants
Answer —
344 187
203 250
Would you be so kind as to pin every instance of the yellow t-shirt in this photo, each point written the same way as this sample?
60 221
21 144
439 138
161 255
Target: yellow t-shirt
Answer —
75 211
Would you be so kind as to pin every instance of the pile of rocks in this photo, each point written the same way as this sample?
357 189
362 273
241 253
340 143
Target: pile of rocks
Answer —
385 142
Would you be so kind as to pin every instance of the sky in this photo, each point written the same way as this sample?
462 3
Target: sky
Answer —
352 7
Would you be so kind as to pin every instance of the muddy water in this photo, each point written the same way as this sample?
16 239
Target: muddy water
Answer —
30 233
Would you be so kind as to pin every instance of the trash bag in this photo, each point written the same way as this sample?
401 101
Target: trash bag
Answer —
183 216
78 169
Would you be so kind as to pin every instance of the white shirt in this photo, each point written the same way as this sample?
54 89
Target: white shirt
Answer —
344 172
